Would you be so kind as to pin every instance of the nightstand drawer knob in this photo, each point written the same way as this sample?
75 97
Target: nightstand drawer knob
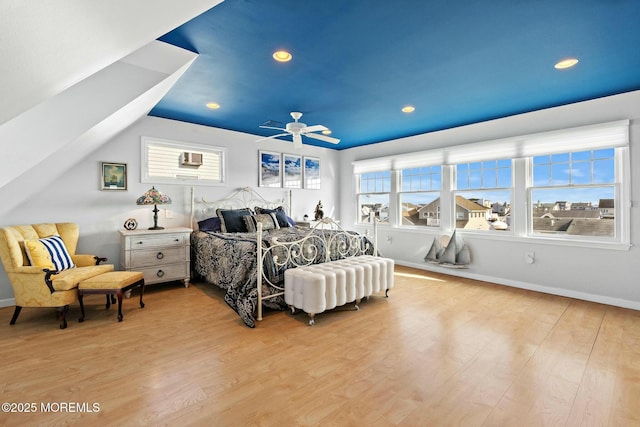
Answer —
159 255
160 273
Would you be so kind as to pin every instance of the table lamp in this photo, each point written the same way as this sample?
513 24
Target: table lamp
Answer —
155 198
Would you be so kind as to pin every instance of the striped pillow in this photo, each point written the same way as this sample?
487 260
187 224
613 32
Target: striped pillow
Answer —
49 252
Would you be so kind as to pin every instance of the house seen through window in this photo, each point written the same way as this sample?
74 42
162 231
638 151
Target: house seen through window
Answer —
373 196
574 194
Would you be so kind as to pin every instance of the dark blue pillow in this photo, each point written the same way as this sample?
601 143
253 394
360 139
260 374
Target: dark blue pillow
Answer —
210 224
281 216
232 220
291 221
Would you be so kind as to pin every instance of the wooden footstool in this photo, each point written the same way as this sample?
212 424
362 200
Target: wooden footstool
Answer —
111 283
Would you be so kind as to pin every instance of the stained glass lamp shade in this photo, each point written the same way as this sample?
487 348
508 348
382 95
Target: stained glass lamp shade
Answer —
155 198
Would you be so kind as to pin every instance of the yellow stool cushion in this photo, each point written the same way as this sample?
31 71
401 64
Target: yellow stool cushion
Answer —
111 280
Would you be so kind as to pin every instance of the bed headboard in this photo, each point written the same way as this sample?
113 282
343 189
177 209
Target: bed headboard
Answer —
245 197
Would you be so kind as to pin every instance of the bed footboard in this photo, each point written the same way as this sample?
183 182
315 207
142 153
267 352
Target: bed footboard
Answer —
325 242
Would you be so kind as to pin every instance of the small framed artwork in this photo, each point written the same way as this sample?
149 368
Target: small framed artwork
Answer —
312 173
270 169
113 176
292 177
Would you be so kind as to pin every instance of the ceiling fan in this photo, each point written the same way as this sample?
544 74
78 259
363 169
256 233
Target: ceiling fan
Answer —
298 129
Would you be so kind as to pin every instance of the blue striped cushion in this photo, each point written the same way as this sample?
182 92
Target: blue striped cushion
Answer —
49 252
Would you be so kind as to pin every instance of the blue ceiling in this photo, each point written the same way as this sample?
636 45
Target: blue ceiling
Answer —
356 63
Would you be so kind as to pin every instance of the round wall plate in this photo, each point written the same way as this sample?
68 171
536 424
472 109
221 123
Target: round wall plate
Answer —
131 224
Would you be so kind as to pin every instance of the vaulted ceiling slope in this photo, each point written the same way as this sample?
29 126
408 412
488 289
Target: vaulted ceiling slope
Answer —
357 63
68 87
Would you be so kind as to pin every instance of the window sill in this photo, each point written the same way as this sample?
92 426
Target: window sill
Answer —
508 237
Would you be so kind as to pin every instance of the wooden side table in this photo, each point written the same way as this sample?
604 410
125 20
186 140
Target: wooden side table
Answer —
161 255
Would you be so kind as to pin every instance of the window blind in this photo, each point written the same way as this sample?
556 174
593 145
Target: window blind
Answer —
612 134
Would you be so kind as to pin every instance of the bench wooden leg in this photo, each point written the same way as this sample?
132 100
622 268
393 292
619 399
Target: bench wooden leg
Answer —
141 293
119 296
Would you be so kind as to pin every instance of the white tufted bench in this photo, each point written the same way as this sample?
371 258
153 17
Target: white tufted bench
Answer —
319 287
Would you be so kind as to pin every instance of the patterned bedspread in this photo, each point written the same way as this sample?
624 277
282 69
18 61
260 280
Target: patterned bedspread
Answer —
228 260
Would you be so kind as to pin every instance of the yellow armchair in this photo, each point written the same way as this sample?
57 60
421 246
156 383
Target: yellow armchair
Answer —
35 286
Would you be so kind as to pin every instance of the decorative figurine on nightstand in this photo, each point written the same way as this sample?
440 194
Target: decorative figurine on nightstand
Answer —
319 212
131 224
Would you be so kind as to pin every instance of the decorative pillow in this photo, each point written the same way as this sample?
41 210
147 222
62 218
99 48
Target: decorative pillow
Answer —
268 221
210 224
280 215
291 222
231 220
49 252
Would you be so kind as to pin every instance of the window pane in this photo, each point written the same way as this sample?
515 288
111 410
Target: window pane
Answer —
558 158
541 160
504 177
490 164
475 179
607 153
574 211
375 204
420 209
541 175
463 180
603 171
581 173
582 155
483 210
487 174
560 174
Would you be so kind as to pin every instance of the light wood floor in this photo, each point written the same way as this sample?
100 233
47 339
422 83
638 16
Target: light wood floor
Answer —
439 351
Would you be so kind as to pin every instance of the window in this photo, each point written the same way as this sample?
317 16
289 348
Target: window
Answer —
571 187
373 196
174 162
420 196
573 194
483 196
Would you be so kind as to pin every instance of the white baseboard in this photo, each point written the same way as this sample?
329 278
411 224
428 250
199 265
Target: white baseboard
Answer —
9 302
634 305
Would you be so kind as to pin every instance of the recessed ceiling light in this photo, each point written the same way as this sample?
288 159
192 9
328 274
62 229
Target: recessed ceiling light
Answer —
408 109
327 131
213 105
566 63
282 56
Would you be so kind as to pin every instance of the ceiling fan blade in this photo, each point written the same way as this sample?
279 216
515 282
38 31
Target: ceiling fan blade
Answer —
272 136
324 138
297 141
271 127
314 128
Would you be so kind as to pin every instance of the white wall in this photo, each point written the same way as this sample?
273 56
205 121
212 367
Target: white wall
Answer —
76 196
604 275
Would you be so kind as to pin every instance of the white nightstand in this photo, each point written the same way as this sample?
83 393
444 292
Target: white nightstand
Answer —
161 255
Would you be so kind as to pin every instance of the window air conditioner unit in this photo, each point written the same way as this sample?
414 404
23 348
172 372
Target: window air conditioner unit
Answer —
191 159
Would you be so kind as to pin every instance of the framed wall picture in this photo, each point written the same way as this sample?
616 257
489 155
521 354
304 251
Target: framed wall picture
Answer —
292 177
113 176
311 172
270 169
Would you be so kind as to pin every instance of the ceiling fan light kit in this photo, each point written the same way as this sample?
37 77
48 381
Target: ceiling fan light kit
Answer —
298 129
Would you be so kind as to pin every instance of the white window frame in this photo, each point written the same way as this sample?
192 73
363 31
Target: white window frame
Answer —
191 176
360 193
438 192
521 150
482 188
622 189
